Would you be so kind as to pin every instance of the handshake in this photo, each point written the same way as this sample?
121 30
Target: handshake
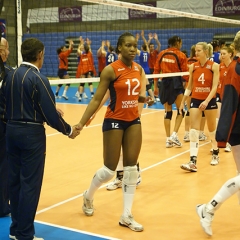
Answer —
75 131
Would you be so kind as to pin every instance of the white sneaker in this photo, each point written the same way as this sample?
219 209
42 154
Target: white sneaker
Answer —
115 184
186 137
34 238
65 97
215 160
169 144
190 166
79 99
128 221
205 218
84 95
77 94
228 148
202 137
92 95
157 99
175 140
87 205
57 97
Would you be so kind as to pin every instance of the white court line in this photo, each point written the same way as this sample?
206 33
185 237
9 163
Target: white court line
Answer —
76 230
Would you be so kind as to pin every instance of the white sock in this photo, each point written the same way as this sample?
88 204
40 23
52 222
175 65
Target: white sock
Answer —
194 148
229 188
128 193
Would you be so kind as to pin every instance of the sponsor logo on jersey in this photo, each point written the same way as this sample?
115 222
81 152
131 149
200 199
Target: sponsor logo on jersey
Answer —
121 69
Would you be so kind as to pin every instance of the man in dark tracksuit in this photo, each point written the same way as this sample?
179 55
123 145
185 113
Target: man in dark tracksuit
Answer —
4 192
29 103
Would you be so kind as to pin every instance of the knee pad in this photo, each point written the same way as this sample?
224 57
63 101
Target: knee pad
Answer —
168 115
187 114
130 175
148 86
203 114
194 135
68 84
104 174
82 84
183 113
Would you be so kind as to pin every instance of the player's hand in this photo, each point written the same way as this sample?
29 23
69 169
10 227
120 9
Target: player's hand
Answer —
75 132
149 101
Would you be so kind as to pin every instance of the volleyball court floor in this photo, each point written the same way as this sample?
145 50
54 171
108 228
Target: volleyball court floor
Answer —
164 202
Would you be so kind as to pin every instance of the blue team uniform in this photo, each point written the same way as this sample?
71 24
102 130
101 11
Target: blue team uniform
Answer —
111 57
143 59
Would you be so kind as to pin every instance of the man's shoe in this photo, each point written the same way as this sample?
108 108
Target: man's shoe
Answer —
87 205
34 238
128 221
205 218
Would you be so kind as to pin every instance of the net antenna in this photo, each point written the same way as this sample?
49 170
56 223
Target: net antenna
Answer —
161 10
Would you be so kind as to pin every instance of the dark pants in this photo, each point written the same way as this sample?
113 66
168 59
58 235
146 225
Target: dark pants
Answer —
4 192
26 149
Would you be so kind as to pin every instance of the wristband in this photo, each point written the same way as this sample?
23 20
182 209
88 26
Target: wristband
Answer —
187 92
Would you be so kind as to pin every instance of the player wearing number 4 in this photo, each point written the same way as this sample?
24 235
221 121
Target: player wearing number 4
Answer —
203 81
126 82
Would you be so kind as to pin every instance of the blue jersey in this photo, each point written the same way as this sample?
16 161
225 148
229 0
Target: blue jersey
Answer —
215 57
143 59
111 57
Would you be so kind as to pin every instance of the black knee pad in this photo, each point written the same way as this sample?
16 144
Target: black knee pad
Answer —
148 86
203 114
187 114
178 113
68 84
168 115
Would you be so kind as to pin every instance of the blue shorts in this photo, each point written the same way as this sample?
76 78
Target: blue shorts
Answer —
62 73
114 124
195 103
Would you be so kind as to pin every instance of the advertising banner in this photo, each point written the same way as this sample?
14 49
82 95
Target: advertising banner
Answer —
138 14
70 14
226 7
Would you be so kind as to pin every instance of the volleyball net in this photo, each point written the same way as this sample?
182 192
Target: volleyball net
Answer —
56 22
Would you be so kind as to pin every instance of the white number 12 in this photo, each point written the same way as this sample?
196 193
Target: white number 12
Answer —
134 89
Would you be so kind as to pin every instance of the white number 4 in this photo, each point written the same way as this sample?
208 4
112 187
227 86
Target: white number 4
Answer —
201 78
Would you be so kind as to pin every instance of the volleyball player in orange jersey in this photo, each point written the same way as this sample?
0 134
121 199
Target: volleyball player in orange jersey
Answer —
171 60
86 69
203 81
153 53
63 54
126 82
226 54
227 130
202 136
101 55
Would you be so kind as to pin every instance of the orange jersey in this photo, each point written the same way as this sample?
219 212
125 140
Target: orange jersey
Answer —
171 60
101 63
63 59
86 64
152 58
202 80
191 60
124 92
223 72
